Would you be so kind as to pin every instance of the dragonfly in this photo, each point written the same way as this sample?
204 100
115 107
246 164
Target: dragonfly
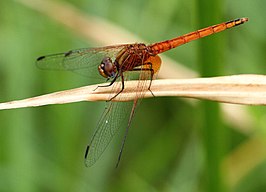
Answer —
119 63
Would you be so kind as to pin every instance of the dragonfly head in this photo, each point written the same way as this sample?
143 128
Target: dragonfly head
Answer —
107 68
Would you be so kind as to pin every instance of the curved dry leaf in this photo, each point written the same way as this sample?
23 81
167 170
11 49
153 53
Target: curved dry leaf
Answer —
237 89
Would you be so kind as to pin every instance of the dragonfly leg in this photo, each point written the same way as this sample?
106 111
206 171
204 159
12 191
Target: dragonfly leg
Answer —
111 83
123 86
152 73
151 77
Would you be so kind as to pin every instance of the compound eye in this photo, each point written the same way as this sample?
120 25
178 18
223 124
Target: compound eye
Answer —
107 63
101 66
107 68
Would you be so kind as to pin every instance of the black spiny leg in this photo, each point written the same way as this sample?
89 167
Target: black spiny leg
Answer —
111 83
123 86
152 73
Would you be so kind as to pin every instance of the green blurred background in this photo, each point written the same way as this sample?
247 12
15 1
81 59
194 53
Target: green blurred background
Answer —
172 145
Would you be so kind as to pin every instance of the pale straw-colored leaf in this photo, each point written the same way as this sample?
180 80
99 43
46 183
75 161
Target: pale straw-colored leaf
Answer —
237 89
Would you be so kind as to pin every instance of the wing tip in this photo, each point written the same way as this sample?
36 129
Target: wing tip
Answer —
86 161
40 58
87 151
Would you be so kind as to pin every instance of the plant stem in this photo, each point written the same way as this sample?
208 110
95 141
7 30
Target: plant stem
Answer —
210 52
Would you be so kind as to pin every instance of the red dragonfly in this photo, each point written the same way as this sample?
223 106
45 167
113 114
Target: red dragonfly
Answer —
116 63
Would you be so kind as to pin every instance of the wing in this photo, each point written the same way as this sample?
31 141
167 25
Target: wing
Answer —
115 116
83 61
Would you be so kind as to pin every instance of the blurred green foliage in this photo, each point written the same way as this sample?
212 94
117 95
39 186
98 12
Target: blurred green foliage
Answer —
168 149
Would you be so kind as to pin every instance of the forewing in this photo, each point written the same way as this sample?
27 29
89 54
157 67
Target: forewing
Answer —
83 61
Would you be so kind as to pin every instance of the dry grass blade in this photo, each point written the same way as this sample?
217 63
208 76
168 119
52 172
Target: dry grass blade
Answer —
237 89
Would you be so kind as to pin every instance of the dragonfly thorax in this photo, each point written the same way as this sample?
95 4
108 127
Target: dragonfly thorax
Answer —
108 68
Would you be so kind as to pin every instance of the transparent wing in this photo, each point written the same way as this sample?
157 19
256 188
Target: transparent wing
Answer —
83 61
115 116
